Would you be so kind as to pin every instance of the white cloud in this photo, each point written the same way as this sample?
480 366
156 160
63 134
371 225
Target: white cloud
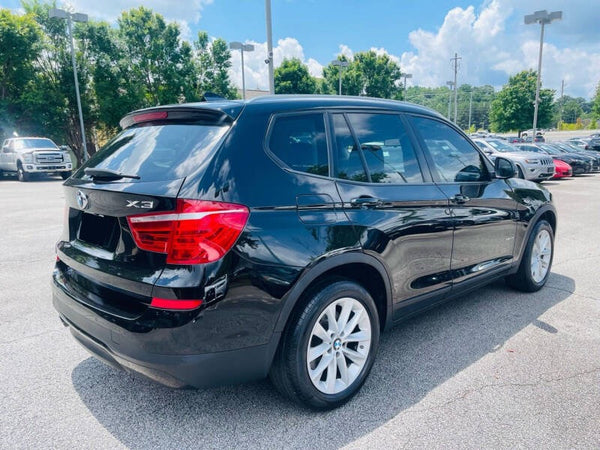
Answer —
490 53
110 10
257 71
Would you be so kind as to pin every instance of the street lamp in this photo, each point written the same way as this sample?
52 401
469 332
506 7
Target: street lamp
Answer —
73 17
543 18
450 85
242 48
406 76
269 59
339 64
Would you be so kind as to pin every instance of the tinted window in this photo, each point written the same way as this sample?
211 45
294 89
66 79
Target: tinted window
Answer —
454 158
349 165
386 147
299 141
159 152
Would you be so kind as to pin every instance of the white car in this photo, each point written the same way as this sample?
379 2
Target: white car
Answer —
30 155
531 166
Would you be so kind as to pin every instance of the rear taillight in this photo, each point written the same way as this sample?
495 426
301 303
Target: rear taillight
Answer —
167 303
197 232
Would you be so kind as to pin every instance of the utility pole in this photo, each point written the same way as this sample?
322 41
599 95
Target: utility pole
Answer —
269 59
470 108
450 84
562 102
455 59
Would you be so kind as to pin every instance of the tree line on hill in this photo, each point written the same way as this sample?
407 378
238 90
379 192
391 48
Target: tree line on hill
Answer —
143 61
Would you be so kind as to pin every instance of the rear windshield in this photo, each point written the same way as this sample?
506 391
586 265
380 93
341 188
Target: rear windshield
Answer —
157 152
24 144
501 146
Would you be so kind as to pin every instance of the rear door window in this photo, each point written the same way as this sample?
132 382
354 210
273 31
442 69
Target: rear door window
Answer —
386 147
299 142
157 152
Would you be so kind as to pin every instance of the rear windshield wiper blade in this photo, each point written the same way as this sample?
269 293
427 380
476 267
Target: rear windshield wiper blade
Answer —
107 174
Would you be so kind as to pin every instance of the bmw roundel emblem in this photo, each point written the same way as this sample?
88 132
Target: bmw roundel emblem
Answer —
82 200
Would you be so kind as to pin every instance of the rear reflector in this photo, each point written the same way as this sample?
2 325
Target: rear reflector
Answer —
197 232
167 303
147 117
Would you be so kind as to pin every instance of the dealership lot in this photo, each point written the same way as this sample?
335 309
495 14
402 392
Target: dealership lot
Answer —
495 369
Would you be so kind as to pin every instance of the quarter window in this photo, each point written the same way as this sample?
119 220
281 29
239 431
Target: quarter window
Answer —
454 159
299 141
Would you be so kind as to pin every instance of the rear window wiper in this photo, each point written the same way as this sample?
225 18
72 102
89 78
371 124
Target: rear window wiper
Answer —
107 174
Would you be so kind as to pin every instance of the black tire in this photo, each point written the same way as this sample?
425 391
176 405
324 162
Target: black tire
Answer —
289 372
65 175
520 172
21 174
523 280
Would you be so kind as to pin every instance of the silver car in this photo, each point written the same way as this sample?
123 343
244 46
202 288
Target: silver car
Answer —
30 155
531 166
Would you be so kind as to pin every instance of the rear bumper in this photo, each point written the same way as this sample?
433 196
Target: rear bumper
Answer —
125 350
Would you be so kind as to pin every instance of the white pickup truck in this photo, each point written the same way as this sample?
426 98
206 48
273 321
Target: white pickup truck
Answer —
31 155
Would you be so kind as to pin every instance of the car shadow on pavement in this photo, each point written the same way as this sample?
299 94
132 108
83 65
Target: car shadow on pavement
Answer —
414 358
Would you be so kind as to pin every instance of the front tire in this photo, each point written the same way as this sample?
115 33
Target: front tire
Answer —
536 262
328 347
21 174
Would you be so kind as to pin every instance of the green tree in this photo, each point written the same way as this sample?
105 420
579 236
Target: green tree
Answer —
20 38
513 107
596 103
292 77
212 67
49 100
156 55
367 74
571 109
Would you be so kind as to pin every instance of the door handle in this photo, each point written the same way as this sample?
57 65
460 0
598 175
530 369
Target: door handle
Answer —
459 199
365 201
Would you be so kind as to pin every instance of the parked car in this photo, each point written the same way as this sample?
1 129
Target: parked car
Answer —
531 166
593 156
579 142
223 241
27 156
578 164
562 169
594 144
514 139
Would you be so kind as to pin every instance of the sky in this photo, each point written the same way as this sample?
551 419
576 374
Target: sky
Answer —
421 36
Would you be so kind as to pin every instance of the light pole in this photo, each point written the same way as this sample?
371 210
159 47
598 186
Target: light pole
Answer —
269 59
242 48
339 64
405 76
543 18
449 84
77 17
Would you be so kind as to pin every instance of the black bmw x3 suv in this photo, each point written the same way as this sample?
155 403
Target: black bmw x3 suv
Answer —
227 241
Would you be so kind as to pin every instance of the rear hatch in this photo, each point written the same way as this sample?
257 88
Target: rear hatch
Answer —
139 173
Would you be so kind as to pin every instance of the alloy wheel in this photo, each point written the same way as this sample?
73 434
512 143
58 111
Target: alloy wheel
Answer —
541 254
339 345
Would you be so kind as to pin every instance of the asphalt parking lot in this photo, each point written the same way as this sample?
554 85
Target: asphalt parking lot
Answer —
496 369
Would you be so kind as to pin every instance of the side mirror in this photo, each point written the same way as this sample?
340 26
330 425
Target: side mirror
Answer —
504 168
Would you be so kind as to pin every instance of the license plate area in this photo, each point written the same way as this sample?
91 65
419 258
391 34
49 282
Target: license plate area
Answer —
550 170
100 231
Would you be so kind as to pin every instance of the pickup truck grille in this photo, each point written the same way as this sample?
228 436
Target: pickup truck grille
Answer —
49 158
